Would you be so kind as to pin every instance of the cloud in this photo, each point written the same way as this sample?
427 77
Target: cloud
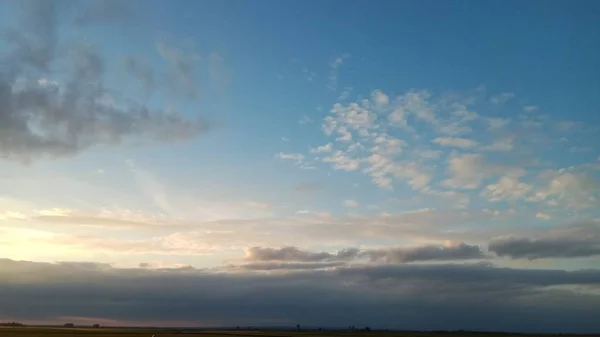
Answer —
182 70
351 203
506 188
530 108
297 255
505 144
497 123
467 171
502 98
287 266
581 241
461 143
410 297
323 148
575 189
137 68
305 120
460 251
291 156
543 216
380 98
39 120
334 65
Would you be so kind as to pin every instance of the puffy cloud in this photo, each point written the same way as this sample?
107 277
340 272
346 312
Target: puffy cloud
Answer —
497 123
461 143
506 188
342 162
500 145
574 189
467 171
380 98
419 297
502 98
351 203
323 148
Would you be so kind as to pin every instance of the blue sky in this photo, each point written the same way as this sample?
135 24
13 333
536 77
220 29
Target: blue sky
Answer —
267 139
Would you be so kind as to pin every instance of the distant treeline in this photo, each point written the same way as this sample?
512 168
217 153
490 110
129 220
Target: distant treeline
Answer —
11 324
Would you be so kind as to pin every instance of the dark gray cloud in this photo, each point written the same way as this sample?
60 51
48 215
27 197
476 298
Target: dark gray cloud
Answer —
461 251
449 296
295 254
569 242
288 265
46 114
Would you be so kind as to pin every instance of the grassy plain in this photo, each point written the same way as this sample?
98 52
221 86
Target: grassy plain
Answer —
124 332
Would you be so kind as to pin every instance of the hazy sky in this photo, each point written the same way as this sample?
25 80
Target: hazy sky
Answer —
397 164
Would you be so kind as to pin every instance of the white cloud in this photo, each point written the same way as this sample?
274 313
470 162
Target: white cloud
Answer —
455 129
258 205
291 156
574 190
543 216
342 162
380 98
502 98
334 65
285 139
530 108
322 149
430 154
506 188
398 118
351 203
305 120
497 123
346 136
467 171
462 143
500 145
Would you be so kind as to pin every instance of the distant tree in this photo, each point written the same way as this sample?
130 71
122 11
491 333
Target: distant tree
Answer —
367 329
237 328
69 325
298 327
96 326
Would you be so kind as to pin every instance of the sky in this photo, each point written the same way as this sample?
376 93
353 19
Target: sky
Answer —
392 164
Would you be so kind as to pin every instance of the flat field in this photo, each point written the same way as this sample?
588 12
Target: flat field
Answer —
124 332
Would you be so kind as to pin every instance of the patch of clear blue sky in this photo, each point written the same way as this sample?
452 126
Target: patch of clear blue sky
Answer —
545 51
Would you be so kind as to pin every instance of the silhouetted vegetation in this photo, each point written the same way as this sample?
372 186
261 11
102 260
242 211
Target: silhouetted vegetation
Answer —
11 324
